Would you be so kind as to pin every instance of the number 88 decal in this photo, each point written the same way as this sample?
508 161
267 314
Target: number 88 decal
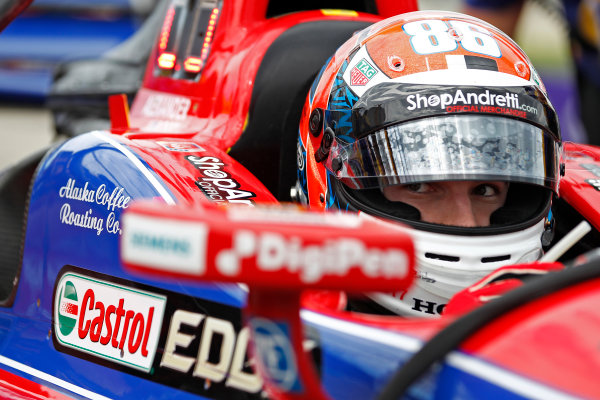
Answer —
434 36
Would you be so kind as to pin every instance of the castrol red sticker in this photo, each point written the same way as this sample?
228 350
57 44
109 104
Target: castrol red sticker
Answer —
115 322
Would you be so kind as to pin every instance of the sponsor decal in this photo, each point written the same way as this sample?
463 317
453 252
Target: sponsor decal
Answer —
276 353
337 256
427 307
471 101
521 69
208 348
177 246
166 106
300 154
535 78
593 168
475 62
162 125
190 343
405 100
595 183
362 73
420 305
216 183
435 36
424 276
115 322
184 147
68 309
113 200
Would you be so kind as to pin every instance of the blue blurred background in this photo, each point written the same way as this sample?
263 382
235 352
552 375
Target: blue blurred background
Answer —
51 32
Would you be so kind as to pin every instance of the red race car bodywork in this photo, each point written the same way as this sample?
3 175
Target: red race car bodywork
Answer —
136 212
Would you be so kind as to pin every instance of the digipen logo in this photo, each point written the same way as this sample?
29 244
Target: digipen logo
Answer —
103 319
335 256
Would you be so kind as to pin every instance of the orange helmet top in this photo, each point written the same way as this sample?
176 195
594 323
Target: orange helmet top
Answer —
420 65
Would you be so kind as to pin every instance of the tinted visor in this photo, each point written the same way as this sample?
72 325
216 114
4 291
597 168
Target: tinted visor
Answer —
452 147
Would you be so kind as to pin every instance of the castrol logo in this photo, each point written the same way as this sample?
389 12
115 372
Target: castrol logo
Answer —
114 322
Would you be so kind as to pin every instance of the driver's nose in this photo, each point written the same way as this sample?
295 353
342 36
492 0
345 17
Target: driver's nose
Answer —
461 211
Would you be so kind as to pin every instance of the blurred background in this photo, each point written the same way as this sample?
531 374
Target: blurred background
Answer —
52 32
34 46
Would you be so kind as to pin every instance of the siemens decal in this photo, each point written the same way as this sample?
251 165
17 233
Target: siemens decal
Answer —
465 101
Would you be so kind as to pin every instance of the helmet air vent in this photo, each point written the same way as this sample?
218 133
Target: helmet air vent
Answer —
495 258
442 257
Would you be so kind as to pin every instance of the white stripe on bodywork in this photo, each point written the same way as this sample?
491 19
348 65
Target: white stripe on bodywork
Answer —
472 77
51 379
141 167
456 61
371 334
505 379
470 365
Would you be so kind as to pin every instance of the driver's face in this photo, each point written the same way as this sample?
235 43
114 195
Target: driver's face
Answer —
457 203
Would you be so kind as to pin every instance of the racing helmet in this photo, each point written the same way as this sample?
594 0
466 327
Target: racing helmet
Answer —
434 96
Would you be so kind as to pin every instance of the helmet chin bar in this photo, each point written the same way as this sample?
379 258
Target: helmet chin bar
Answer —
426 300
447 264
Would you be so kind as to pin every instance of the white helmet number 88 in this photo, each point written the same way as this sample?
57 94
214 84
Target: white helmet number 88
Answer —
435 36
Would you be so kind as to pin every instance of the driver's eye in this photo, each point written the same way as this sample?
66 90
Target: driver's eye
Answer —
417 187
485 190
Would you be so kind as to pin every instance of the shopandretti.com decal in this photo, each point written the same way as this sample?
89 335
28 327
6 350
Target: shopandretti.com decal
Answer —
488 102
